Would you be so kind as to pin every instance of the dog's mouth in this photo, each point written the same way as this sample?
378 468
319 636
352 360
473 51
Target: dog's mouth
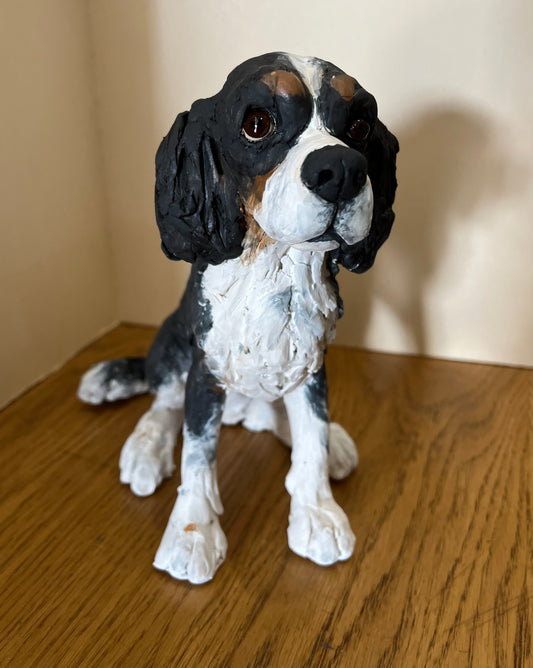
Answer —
318 245
327 241
330 239
305 221
349 222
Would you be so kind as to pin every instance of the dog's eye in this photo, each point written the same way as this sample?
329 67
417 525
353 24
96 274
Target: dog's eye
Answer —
257 124
359 130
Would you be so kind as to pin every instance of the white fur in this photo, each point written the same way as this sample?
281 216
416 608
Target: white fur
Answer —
310 69
172 393
272 319
354 218
289 212
342 457
147 457
318 527
194 545
257 415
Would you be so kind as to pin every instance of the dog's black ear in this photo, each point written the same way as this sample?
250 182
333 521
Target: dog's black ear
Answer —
197 209
381 154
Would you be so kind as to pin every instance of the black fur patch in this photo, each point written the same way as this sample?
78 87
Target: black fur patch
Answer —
380 151
244 90
205 166
339 113
126 371
171 353
197 210
204 398
316 391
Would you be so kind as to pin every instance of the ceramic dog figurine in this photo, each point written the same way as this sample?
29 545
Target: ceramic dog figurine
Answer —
265 188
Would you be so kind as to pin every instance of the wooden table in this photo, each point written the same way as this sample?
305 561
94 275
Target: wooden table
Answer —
441 505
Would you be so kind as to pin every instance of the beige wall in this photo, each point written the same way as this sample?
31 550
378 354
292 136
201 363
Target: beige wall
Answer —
453 80
56 288
89 88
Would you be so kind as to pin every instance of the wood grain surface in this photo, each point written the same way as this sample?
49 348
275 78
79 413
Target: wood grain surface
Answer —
441 506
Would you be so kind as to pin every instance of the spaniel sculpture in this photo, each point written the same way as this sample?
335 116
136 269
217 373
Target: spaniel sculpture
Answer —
266 188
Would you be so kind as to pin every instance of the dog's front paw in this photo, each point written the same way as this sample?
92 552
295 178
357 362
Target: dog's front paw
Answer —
343 457
192 552
320 532
147 455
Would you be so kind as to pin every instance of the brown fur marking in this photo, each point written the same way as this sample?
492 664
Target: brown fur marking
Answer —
256 194
344 85
284 83
255 239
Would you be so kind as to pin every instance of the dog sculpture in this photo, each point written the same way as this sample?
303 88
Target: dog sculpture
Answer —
265 188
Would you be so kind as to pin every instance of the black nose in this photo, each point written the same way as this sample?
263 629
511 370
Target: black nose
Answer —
335 173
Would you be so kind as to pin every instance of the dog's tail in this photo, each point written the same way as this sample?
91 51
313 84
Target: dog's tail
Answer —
113 379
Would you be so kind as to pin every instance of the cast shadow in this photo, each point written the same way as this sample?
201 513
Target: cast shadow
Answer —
450 163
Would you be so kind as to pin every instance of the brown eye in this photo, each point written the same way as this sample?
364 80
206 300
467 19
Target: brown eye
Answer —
257 124
359 130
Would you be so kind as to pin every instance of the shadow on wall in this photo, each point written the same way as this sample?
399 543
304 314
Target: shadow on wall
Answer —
450 163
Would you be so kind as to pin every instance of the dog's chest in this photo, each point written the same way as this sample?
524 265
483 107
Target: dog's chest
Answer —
271 320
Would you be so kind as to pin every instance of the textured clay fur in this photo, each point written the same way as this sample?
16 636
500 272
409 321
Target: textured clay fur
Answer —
266 188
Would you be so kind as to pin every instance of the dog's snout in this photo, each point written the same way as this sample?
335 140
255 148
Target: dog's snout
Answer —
335 173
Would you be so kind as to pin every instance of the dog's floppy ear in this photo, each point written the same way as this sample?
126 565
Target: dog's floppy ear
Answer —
197 210
381 154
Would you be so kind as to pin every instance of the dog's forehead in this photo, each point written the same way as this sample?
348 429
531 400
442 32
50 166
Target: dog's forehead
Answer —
337 96
254 69
323 77
287 74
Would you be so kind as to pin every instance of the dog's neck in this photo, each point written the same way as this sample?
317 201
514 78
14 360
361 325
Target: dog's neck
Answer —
274 264
273 315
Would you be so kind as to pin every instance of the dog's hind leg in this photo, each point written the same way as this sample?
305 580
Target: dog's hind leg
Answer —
194 545
147 457
258 415
112 380
342 455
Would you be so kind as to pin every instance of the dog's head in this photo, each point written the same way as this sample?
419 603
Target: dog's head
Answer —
290 149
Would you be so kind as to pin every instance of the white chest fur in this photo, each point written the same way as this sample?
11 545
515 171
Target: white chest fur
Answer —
272 319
